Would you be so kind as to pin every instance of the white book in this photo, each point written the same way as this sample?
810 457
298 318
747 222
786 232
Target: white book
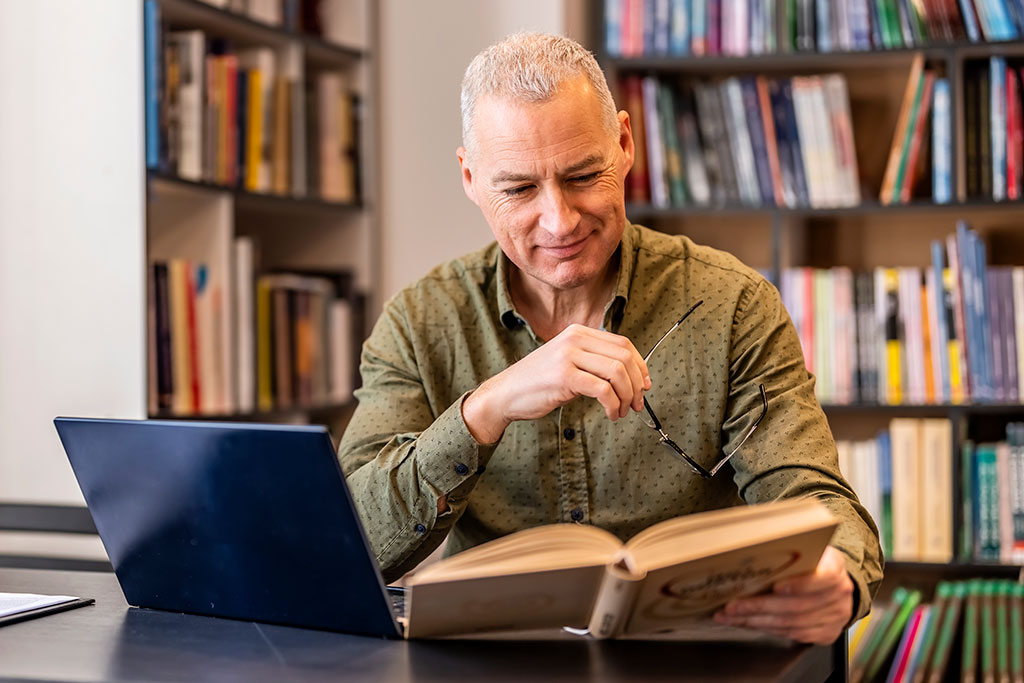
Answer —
1018 323
824 143
206 341
871 495
910 313
341 351
845 154
739 140
803 109
906 489
191 47
936 488
245 325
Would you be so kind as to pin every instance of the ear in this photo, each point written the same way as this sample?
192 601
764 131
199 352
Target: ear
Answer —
467 174
626 140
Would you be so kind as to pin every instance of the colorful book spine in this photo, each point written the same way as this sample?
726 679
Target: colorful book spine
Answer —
942 145
151 64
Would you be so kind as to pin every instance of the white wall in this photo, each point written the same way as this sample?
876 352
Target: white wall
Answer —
425 48
72 271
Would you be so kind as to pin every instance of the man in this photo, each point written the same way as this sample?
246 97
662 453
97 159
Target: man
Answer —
497 390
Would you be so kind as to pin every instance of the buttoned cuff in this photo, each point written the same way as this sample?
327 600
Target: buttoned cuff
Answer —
449 458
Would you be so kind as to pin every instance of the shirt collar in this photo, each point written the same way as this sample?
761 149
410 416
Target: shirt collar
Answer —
612 313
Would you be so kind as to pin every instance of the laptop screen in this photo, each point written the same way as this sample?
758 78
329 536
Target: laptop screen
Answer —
234 520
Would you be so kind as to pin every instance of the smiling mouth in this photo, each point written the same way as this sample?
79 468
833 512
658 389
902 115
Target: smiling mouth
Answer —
566 250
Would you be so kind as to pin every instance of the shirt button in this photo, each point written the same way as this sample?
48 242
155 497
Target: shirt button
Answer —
420 529
577 515
569 433
461 469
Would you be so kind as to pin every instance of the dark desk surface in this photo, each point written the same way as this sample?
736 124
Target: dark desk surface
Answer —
110 641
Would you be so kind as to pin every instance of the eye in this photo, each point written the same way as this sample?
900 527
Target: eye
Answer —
516 191
584 178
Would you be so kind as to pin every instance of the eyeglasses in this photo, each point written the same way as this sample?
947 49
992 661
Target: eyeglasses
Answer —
666 441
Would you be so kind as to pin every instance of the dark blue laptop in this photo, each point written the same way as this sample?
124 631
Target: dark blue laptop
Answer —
232 520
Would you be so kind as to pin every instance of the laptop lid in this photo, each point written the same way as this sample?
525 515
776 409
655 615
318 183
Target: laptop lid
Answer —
245 521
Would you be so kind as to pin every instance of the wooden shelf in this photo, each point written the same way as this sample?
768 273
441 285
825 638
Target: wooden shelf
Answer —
247 31
274 415
257 200
957 569
866 208
925 409
811 60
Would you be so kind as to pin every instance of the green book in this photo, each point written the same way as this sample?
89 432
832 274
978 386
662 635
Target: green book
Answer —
670 144
987 491
892 635
1017 632
1002 626
947 634
902 174
924 655
988 632
969 660
967 502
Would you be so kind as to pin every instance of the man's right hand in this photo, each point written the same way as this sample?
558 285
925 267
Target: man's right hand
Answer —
580 361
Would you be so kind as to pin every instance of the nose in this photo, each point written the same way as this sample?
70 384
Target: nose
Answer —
557 216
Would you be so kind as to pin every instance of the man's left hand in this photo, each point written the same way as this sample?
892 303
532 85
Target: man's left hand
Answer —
813 608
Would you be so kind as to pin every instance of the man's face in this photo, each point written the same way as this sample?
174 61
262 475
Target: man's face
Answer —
549 180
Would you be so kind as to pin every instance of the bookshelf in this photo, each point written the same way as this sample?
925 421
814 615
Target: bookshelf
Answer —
862 235
262 243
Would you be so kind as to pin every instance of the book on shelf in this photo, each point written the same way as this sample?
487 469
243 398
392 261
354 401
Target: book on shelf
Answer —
751 140
246 117
738 28
969 631
287 340
671 576
993 142
904 478
948 333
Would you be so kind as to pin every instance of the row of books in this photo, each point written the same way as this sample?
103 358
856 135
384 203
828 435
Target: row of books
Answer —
950 333
994 141
635 28
970 631
225 344
245 118
749 140
904 478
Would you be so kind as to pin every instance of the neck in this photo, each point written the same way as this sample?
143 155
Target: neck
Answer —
550 310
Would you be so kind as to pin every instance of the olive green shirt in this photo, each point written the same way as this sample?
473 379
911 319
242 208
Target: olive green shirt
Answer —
407 444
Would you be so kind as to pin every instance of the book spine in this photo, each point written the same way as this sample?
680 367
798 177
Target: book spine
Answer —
997 113
614 601
942 144
151 20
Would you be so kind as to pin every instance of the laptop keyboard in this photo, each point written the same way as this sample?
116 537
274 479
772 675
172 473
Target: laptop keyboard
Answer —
397 596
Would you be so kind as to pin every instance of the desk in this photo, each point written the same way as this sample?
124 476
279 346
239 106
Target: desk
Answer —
110 641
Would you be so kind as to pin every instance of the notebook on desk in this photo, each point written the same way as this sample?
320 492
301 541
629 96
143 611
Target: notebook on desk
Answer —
246 521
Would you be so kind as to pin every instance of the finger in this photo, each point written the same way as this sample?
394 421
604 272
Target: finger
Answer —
586 384
613 371
620 348
819 581
782 604
830 613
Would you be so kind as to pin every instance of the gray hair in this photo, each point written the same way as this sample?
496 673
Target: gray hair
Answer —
530 67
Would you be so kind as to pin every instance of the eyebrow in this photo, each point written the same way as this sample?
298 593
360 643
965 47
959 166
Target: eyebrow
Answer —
509 177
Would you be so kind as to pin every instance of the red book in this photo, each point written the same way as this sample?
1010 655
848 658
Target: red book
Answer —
638 186
910 174
193 342
1013 135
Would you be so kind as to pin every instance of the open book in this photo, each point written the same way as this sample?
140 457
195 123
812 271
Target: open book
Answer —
666 577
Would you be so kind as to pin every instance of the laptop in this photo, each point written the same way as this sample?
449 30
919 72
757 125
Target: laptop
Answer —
247 521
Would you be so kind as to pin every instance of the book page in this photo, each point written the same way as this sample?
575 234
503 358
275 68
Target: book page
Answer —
16 603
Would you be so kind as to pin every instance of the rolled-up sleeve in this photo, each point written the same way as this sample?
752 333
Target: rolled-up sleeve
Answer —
792 453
